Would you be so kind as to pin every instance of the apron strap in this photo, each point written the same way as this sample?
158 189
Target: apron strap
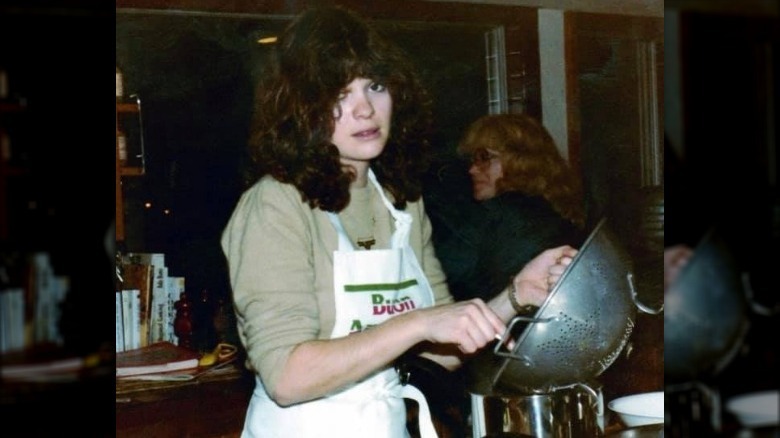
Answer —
344 242
403 220
424 416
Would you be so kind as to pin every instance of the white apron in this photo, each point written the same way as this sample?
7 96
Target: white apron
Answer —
370 287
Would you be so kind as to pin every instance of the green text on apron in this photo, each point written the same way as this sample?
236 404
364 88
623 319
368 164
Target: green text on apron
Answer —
370 287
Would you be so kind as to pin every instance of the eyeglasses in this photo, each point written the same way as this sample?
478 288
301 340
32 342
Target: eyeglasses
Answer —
482 157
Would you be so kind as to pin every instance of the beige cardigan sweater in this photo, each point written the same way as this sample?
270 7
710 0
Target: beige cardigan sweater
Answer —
279 252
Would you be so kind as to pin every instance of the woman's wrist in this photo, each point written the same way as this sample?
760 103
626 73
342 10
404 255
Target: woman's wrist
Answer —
520 309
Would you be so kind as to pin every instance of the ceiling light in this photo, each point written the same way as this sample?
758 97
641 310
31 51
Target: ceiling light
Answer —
267 40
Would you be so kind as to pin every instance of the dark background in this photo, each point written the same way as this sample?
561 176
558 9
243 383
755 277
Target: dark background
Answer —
55 60
58 58
722 177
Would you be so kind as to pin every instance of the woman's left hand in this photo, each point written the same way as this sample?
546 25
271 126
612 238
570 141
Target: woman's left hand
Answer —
537 278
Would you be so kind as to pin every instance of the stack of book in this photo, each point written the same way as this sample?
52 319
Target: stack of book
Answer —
145 300
31 295
158 358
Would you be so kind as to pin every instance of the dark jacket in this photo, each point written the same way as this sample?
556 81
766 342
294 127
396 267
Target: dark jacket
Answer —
483 245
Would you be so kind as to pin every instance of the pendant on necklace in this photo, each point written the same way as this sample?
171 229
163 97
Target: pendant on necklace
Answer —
366 242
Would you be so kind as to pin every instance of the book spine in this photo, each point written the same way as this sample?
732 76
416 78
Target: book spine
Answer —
159 302
135 318
120 325
5 321
43 286
4 318
145 312
11 319
127 319
63 285
175 289
16 299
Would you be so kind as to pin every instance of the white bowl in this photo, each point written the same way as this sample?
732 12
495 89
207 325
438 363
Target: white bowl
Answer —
639 409
756 409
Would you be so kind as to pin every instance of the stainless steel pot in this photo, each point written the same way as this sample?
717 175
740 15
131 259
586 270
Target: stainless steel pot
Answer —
581 327
572 412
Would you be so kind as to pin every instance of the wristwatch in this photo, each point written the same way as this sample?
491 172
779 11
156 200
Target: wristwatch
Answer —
520 309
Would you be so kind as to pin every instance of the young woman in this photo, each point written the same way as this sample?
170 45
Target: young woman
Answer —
333 272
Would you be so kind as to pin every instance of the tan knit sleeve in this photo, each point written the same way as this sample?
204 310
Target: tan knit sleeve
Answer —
267 243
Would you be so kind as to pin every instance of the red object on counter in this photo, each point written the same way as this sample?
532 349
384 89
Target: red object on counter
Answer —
182 324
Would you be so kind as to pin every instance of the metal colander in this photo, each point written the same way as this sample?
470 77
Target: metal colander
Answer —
581 327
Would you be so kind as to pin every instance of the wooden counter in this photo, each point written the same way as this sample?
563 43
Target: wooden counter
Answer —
211 405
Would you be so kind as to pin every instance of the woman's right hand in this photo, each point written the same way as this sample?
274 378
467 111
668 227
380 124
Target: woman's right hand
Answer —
470 325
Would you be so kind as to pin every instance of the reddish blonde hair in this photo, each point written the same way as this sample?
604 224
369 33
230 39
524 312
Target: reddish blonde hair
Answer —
530 161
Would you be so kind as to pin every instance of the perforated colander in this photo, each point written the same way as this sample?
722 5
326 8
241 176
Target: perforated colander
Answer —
581 327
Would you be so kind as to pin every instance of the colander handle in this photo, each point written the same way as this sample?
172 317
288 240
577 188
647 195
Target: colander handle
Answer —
505 338
635 298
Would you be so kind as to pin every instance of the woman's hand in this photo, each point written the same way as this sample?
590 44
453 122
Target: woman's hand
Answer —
470 325
537 278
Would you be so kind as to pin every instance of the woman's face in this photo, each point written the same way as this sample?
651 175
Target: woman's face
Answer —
362 124
485 170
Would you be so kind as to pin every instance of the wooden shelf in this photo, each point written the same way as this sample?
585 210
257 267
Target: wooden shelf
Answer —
126 107
123 170
131 171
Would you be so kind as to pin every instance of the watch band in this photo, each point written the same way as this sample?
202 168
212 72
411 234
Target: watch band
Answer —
520 309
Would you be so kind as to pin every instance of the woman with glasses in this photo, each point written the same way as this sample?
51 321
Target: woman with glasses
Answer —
524 199
528 199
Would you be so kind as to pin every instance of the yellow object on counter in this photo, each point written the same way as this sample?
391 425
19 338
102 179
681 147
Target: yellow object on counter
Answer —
220 353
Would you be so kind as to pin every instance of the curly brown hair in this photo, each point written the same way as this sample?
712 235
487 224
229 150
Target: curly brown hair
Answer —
319 53
530 161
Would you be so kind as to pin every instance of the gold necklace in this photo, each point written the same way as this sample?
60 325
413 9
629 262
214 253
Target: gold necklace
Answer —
363 225
366 242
